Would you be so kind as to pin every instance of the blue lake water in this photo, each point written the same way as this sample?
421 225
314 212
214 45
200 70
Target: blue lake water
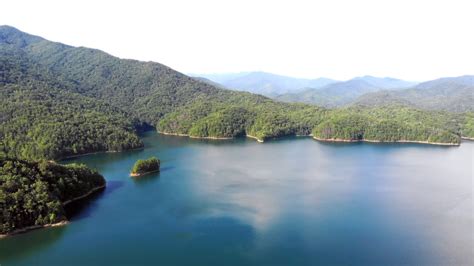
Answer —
288 202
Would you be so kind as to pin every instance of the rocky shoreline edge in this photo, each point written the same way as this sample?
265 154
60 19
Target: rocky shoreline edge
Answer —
142 174
328 140
379 141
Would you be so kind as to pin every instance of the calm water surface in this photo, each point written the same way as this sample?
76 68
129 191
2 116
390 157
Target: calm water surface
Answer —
287 202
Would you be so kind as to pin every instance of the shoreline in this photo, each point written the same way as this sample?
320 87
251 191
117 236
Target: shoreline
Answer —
95 152
192 137
467 138
255 138
142 174
379 141
216 138
33 227
330 140
92 191
299 136
172 134
61 223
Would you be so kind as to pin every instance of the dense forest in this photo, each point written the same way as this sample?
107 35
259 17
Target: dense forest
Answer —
38 124
393 123
467 128
33 193
40 119
145 166
389 123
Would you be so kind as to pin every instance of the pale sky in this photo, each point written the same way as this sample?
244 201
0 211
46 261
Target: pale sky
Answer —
413 40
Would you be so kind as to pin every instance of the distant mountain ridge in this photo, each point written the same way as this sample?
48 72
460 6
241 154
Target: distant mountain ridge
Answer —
455 94
264 83
341 93
386 82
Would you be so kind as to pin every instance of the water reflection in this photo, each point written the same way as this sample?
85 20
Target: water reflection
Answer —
31 243
146 179
357 198
83 208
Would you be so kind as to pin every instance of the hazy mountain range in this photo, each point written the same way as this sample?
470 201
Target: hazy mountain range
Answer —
341 93
450 94
320 91
264 83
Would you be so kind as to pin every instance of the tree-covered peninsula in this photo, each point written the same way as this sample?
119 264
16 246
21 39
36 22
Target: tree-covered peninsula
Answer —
388 124
143 167
33 194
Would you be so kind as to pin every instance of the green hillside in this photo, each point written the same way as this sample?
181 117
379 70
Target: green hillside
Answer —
388 124
59 100
42 118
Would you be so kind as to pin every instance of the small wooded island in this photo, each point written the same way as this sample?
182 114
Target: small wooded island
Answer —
143 167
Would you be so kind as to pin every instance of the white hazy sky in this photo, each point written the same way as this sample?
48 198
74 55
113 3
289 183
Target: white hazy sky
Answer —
414 40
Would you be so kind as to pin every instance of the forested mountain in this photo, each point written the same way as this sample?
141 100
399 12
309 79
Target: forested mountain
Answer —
41 117
451 94
58 100
341 93
265 83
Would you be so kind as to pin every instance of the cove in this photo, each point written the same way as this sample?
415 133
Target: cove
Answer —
287 202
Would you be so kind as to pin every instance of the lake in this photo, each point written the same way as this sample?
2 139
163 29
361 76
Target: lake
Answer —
287 202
